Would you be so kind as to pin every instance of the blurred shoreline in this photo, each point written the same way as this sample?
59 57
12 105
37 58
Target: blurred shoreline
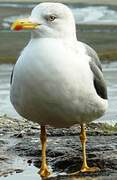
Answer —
106 2
102 37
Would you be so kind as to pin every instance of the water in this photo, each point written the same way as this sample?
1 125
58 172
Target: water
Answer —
17 5
5 106
30 173
110 73
83 14
95 15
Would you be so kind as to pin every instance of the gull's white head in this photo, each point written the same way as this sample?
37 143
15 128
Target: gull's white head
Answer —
54 20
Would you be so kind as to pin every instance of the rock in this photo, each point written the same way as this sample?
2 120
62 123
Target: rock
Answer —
29 161
18 170
64 152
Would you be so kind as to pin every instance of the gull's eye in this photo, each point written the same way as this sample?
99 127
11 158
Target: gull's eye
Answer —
51 18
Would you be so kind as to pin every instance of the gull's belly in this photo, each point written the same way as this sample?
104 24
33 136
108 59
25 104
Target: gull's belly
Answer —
55 100
59 93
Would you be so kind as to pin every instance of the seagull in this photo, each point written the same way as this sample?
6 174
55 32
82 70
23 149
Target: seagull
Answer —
57 80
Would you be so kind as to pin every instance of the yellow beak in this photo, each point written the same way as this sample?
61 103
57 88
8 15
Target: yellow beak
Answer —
24 24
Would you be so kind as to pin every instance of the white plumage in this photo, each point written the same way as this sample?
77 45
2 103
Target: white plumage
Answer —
53 85
57 80
52 81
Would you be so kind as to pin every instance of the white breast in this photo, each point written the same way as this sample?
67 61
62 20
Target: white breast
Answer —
53 85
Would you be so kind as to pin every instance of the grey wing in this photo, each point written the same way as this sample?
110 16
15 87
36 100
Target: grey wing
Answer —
99 82
95 66
91 52
12 76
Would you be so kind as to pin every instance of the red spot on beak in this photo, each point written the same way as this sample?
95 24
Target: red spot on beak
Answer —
18 27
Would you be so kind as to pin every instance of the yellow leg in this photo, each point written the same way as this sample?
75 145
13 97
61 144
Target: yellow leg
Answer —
84 167
44 172
83 140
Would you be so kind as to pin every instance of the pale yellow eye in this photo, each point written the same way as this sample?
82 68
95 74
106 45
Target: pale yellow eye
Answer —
51 18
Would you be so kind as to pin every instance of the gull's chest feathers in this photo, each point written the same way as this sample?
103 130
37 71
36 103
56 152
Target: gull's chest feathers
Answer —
50 62
50 70
53 83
